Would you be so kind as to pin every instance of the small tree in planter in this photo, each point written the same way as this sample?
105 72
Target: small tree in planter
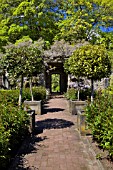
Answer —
90 61
22 60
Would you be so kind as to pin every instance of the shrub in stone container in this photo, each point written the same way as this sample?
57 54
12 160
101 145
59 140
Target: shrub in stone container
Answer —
74 103
39 95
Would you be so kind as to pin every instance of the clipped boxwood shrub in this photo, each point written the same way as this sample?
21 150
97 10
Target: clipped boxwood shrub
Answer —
4 146
72 93
39 93
100 120
14 124
9 96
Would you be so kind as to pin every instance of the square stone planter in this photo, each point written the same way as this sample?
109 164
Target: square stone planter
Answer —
81 123
34 105
75 105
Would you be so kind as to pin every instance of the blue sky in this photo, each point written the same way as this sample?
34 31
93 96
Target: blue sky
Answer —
104 29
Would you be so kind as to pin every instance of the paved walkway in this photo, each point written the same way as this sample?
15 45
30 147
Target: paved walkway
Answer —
57 144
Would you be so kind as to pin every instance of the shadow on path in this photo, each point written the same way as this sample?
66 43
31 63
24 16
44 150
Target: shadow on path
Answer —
32 144
52 124
28 147
51 110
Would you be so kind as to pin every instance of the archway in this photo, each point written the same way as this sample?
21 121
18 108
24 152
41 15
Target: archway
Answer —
63 77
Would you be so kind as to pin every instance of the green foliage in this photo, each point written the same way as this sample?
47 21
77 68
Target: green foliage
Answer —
100 120
14 122
71 94
91 61
11 96
39 93
4 145
106 38
23 59
70 20
28 18
111 80
82 19
84 94
13 128
55 83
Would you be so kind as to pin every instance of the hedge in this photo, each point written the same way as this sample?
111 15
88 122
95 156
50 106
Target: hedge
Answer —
99 116
72 93
11 96
13 128
14 122
39 93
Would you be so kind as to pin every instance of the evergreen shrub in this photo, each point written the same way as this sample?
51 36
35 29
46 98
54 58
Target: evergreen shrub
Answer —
11 96
39 93
72 93
14 122
99 116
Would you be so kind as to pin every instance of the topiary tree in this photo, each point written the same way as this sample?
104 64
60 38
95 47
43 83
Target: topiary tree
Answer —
90 61
22 60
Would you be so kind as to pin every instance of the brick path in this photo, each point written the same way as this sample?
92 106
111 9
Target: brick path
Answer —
57 144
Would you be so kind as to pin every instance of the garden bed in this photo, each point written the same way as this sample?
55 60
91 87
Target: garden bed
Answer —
100 154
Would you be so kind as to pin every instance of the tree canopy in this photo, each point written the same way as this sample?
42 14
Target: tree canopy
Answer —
90 61
70 20
22 59
28 18
83 19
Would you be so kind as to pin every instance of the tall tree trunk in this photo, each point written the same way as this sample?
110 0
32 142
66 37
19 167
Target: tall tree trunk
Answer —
78 94
21 89
92 90
31 90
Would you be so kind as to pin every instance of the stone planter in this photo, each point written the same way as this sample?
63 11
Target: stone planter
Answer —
75 105
81 123
34 105
31 114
